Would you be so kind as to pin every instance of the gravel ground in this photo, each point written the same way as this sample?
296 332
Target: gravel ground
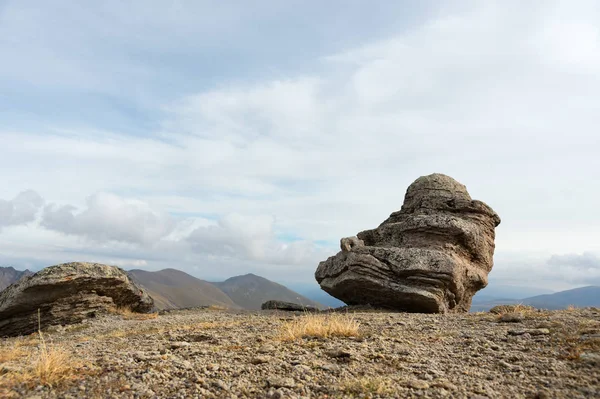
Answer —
206 353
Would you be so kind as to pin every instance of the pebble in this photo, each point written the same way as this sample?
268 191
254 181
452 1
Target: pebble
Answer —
260 360
180 344
417 384
531 331
590 358
513 317
281 382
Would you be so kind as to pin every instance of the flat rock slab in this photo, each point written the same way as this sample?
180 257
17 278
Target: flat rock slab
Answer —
66 294
287 306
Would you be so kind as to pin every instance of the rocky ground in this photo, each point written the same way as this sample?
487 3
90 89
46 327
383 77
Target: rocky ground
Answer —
208 353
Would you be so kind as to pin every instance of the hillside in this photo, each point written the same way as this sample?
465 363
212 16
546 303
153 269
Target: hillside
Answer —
250 291
8 276
495 291
173 289
579 297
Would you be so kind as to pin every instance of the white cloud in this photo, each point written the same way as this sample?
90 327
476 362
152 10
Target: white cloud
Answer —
20 210
558 271
240 237
586 261
108 217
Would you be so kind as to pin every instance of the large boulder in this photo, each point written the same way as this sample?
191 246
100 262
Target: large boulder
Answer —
67 294
431 256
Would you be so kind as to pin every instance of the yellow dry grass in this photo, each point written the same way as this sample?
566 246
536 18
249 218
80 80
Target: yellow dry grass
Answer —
128 314
217 307
45 364
517 308
574 339
326 326
9 353
367 386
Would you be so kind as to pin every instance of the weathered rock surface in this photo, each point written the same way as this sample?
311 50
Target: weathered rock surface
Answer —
432 256
67 294
288 306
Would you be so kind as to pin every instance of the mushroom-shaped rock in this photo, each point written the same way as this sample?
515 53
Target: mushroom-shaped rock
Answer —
431 256
67 294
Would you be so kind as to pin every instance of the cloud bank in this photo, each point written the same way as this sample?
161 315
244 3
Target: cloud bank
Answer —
150 153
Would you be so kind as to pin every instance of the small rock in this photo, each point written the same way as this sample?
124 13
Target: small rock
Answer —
303 369
267 348
505 364
276 395
513 317
280 382
539 331
329 367
590 358
417 384
180 344
531 331
338 354
260 360
220 384
446 385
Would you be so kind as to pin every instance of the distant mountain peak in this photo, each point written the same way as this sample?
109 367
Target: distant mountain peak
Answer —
9 275
251 291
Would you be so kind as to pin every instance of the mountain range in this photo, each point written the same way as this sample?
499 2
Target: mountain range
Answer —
172 288
578 297
251 291
8 276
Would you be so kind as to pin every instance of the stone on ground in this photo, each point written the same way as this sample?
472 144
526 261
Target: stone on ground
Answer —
431 256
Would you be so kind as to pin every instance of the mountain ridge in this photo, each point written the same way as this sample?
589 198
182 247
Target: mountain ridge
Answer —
172 288
9 275
578 297
252 291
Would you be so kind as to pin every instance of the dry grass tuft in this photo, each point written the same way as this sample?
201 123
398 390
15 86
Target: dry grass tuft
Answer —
45 364
310 325
367 386
217 307
574 339
9 353
129 314
518 308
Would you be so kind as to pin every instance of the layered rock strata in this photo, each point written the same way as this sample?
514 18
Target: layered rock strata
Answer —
431 256
67 294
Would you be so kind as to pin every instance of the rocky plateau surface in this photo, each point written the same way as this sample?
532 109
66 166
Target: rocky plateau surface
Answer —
208 353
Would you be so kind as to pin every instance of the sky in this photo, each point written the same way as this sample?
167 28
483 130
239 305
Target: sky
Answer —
229 137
